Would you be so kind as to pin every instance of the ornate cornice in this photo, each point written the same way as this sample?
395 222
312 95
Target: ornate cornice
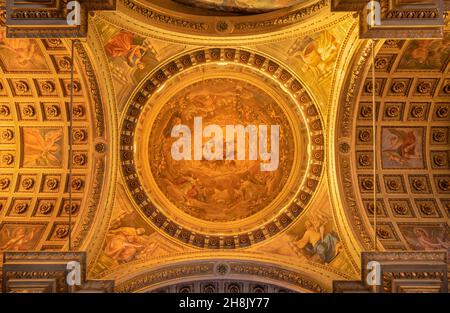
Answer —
46 272
399 19
49 20
342 145
94 89
198 270
400 271
229 26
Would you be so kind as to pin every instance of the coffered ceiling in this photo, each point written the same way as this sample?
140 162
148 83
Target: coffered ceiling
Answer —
145 64
411 145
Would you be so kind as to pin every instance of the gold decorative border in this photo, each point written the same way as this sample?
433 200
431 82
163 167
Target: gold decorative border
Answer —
222 25
270 273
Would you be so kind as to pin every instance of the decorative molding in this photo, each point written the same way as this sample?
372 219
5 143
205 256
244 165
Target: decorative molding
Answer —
221 286
420 271
160 16
25 272
207 270
400 19
94 89
49 20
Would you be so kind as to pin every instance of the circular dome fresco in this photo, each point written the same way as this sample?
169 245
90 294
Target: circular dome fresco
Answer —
225 189
221 148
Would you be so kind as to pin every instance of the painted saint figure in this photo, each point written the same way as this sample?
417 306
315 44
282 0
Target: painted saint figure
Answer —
128 46
125 244
317 244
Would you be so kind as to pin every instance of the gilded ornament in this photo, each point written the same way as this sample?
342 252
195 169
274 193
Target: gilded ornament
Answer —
21 87
7 158
4 183
365 135
28 111
426 209
400 209
367 184
28 183
62 231
7 135
74 208
20 208
78 111
80 159
79 135
444 184
393 111
77 183
52 111
47 87
52 183
419 185
398 87
418 112
4 110
442 112
439 135
45 208
424 88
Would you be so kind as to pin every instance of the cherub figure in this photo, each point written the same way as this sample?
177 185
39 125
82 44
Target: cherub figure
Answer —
19 239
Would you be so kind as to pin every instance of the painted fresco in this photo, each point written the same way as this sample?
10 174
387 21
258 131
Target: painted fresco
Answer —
427 236
318 241
317 52
21 55
221 190
426 55
17 237
42 147
402 147
132 57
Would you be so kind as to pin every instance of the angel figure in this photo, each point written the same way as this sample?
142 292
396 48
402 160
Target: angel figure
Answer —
127 46
42 148
18 239
24 50
427 242
318 54
402 146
